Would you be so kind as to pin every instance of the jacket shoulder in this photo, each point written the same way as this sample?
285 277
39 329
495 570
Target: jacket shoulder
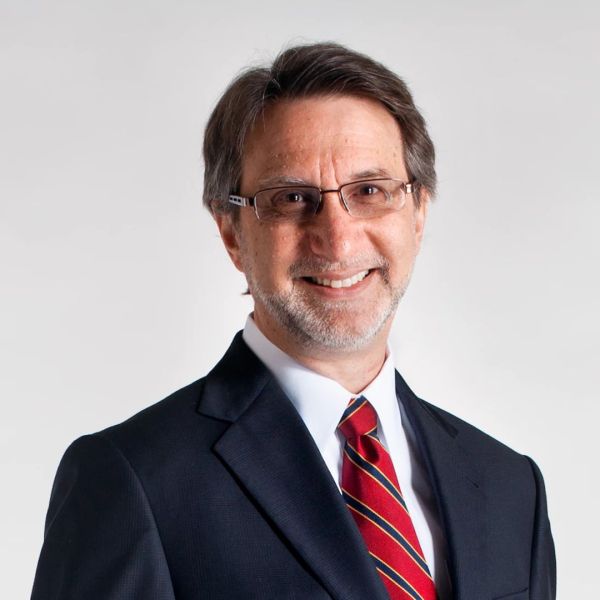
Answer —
497 463
167 431
181 402
468 434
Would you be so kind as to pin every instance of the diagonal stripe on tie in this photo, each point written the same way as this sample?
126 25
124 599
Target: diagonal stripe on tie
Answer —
352 411
395 578
388 547
372 471
381 501
384 525
371 491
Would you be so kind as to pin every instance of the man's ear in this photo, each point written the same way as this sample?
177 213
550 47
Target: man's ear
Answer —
420 215
230 235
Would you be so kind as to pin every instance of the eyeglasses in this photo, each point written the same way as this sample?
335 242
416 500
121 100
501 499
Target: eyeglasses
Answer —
363 199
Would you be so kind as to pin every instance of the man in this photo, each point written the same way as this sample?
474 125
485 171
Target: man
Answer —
302 465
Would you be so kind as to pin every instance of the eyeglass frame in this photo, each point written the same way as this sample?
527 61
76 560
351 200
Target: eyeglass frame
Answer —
408 186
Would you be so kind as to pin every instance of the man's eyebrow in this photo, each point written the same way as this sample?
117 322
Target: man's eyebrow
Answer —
285 180
371 173
268 182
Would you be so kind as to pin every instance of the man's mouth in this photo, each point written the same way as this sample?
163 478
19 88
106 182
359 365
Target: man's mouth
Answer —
339 283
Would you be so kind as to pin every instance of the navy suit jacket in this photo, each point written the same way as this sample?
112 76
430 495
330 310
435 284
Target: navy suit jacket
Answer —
219 492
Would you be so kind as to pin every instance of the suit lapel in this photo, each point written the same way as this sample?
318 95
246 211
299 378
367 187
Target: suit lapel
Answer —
270 451
457 486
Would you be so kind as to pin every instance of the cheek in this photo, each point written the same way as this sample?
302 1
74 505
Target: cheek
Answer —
283 244
273 251
401 247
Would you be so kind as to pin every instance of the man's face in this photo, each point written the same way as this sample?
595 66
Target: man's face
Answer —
294 269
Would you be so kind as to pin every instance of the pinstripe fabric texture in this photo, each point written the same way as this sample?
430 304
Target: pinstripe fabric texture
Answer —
372 494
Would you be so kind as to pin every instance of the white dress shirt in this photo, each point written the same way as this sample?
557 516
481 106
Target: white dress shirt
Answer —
320 401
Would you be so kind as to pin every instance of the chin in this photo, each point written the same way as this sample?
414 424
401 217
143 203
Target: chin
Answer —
328 325
341 332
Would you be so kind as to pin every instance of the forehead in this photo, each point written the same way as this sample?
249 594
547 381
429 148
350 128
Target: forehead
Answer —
322 137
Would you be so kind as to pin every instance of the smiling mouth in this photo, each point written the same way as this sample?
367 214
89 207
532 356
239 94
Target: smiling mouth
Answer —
339 283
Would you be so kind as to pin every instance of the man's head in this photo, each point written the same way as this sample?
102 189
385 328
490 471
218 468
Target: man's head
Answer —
321 116
301 72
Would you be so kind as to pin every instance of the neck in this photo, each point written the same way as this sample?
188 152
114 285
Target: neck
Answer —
352 369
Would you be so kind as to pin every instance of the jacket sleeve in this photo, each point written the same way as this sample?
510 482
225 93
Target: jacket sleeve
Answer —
100 541
542 582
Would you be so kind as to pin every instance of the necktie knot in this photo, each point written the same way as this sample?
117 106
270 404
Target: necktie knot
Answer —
358 419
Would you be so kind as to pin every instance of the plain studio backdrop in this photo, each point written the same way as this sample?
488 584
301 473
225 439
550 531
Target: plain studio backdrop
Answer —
115 289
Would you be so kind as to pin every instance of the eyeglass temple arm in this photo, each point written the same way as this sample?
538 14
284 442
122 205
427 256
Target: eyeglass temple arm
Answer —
241 200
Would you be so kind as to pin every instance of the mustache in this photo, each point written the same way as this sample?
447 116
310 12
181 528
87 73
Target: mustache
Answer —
307 265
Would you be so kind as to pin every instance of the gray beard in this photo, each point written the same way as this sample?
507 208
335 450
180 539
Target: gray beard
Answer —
317 326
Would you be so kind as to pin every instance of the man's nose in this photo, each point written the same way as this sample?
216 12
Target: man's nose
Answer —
332 231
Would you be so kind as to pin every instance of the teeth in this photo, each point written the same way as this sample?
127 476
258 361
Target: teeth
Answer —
341 283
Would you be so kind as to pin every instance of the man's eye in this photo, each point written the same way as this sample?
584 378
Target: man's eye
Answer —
294 197
368 190
286 197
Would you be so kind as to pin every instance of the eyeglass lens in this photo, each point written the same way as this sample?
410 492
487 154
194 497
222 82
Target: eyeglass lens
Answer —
361 198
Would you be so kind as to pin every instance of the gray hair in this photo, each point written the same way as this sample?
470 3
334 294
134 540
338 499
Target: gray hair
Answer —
301 72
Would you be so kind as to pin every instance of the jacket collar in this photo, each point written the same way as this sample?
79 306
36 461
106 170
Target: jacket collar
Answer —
269 449
458 487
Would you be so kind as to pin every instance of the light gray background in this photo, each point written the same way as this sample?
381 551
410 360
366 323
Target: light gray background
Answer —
115 290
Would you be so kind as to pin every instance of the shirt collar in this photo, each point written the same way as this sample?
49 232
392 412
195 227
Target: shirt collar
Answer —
319 400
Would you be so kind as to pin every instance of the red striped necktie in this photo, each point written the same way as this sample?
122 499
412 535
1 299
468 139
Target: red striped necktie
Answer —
372 494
